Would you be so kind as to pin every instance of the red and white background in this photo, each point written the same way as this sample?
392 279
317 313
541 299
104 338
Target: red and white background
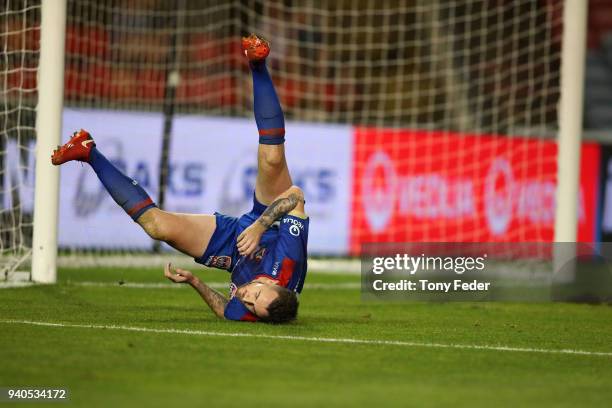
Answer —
414 186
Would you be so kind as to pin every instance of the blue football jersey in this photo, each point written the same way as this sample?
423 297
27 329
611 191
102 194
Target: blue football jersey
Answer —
281 255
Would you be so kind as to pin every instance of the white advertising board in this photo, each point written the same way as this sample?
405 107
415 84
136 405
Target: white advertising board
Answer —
213 163
88 215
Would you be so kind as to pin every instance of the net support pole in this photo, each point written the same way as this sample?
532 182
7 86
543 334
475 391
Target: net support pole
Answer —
48 136
570 119
173 79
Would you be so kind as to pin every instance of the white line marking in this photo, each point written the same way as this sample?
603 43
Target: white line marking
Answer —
136 260
315 339
16 284
214 285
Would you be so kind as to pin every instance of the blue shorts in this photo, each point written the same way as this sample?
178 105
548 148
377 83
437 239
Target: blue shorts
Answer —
282 240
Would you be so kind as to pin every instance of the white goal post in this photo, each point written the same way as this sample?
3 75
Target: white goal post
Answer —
48 136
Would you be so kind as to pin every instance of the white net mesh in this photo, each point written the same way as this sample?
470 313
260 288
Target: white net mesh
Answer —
118 54
19 39
440 93
479 65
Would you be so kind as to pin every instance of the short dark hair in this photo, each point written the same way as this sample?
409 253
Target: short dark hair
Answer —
284 308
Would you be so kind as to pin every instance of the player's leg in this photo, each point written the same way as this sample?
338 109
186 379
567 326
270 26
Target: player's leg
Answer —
187 233
273 174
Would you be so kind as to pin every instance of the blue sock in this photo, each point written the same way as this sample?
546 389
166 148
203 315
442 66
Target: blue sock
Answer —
125 191
268 111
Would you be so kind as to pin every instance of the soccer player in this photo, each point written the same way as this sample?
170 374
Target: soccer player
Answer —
264 249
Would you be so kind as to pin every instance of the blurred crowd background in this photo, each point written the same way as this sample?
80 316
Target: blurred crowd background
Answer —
486 65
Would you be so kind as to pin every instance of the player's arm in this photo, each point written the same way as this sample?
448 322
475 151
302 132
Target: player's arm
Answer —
215 300
290 201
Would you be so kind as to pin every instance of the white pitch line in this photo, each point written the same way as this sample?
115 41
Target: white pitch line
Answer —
314 339
160 285
146 260
214 285
16 284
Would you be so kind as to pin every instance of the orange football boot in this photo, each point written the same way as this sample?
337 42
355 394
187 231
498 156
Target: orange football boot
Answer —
78 148
255 48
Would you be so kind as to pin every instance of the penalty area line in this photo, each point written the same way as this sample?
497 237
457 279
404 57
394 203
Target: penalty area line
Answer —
313 339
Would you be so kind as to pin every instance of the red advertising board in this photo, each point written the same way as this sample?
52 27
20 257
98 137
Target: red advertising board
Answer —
414 186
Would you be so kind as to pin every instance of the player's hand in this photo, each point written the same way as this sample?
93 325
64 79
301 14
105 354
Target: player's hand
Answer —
177 275
248 240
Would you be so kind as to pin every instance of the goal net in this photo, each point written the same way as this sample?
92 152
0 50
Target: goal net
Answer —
19 40
451 109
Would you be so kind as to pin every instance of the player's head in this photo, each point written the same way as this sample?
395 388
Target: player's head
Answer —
270 302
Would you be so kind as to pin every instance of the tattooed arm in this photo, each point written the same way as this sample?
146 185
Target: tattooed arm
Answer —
215 300
289 202
283 205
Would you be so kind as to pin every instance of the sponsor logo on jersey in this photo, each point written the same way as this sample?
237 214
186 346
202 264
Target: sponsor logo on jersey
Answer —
275 268
294 222
220 262
259 254
295 227
233 289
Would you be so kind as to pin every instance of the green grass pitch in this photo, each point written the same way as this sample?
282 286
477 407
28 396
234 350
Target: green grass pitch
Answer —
112 367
